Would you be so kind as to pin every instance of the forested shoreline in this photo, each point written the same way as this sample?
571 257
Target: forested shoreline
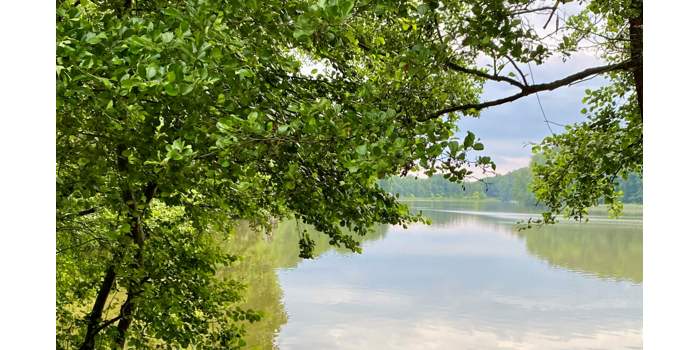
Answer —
510 187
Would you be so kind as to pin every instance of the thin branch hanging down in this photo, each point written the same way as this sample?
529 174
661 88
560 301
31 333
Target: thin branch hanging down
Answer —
484 75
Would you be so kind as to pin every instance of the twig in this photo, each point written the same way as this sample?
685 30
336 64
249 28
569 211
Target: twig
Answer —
554 9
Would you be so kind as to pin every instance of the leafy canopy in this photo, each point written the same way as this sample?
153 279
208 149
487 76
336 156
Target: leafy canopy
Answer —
174 118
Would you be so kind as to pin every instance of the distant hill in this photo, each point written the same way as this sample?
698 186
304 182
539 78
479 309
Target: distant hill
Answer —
513 186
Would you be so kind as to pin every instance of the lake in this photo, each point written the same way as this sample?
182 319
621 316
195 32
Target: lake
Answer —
470 280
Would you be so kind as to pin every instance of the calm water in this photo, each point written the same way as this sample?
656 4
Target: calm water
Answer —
469 280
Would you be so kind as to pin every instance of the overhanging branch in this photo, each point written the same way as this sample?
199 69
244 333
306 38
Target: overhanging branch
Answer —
531 89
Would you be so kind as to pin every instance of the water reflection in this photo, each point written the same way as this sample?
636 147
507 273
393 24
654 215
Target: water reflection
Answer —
469 280
259 255
607 248
256 269
607 251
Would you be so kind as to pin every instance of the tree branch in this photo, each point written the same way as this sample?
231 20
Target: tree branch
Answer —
79 214
107 323
526 10
551 14
484 75
531 89
518 69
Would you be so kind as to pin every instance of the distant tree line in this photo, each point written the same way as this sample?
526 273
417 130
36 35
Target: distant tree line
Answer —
511 187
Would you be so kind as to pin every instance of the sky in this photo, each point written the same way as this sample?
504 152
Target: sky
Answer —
508 130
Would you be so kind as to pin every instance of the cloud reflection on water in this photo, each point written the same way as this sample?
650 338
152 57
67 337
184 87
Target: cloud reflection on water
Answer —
468 282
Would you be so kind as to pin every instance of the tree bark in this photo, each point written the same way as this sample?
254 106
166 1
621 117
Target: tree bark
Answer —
636 53
95 316
93 326
134 288
125 321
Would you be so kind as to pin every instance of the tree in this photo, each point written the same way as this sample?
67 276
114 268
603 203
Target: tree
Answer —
175 118
585 163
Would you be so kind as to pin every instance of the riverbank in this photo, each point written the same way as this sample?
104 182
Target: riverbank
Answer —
629 210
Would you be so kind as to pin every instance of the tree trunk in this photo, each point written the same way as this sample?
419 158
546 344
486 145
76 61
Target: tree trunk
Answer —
125 321
134 288
636 52
95 316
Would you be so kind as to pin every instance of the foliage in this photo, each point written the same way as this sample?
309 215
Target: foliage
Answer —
632 189
514 186
585 163
179 259
176 117
430 187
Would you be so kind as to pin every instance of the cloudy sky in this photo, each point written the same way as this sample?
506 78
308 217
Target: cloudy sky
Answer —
507 130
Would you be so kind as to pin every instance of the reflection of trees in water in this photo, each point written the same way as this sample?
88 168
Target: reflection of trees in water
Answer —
482 205
441 219
255 269
605 250
284 242
490 213
259 255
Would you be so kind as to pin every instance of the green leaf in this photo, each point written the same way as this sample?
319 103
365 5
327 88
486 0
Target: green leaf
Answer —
106 82
171 89
92 38
453 146
469 139
188 89
252 116
346 7
167 37
151 71
302 33
478 146
244 73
